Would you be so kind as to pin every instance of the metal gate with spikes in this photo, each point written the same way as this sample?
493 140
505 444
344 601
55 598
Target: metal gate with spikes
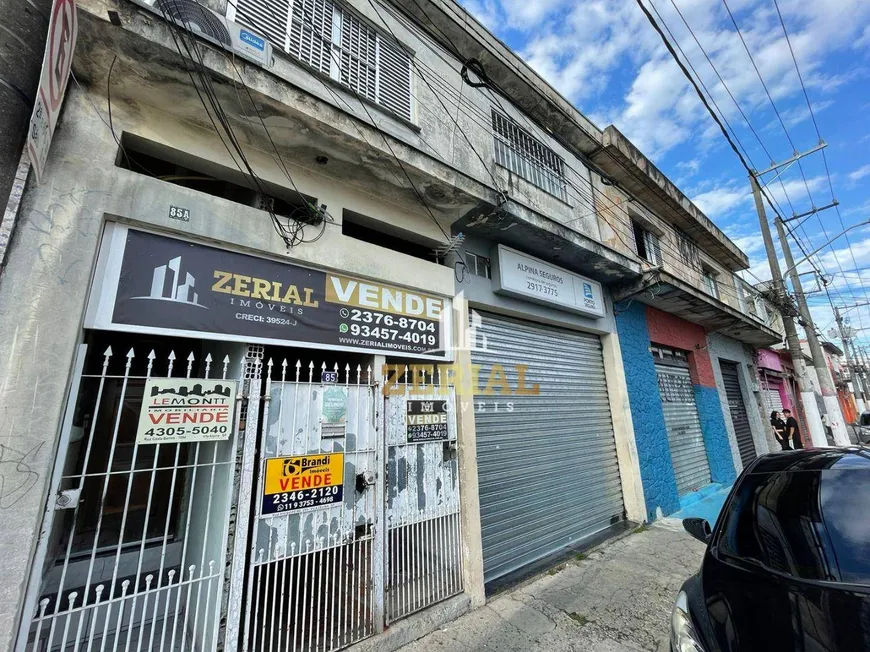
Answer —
134 546
315 521
312 569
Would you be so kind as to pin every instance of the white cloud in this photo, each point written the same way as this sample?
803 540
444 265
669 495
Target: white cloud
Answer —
860 173
486 11
720 201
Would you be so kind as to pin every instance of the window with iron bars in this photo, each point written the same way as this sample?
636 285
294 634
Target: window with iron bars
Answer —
527 157
688 251
331 39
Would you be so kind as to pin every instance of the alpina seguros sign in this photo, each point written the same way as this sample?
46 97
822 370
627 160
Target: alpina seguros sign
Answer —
153 283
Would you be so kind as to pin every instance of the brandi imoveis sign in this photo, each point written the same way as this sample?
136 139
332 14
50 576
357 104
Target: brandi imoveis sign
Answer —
152 283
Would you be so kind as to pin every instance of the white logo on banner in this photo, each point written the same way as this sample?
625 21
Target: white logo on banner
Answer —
175 290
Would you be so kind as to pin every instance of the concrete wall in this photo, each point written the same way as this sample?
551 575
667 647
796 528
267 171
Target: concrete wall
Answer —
617 213
452 121
730 350
44 288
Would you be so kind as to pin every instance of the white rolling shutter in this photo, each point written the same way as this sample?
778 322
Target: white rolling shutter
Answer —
547 464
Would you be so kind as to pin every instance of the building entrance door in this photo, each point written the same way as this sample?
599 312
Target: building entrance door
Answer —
306 517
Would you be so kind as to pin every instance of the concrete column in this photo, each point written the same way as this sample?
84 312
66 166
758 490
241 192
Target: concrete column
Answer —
623 430
472 540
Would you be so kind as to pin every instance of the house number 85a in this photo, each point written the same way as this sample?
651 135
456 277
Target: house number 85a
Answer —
178 213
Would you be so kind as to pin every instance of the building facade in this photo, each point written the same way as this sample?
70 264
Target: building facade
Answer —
313 327
687 329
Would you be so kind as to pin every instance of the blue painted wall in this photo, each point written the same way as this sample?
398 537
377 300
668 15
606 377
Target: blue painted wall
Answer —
654 454
715 434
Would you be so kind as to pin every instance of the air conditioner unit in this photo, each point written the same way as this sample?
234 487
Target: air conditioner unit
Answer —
210 25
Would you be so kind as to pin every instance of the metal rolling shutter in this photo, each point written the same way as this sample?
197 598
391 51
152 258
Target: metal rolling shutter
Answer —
737 408
688 452
773 400
548 470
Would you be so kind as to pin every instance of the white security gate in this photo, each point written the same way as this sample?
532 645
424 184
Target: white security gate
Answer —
311 573
135 533
688 451
424 559
347 531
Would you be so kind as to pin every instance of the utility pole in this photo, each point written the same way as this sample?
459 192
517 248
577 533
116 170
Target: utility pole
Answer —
853 376
861 371
808 394
820 362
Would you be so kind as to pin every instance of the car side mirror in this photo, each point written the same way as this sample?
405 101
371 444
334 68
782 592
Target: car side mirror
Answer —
698 528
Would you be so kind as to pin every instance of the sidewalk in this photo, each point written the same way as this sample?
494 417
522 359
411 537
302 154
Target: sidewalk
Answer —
616 599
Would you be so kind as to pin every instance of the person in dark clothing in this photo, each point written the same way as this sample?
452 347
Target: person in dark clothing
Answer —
792 429
778 426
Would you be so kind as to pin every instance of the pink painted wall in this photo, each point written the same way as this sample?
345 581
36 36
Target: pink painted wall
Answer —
669 330
769 359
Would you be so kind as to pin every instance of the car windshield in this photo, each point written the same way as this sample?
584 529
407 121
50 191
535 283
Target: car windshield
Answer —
810 524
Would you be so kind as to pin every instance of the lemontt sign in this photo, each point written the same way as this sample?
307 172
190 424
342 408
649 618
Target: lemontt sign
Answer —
293 484
152 283
178 410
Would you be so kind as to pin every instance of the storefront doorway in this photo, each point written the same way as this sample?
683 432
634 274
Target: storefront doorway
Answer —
306 517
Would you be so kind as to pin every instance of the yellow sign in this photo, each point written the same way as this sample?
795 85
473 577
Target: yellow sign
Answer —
302 482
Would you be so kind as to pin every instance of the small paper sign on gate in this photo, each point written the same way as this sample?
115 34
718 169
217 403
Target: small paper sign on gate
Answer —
426 421
182 410
305 482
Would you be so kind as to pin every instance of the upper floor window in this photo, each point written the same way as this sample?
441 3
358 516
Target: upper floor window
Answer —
646 244
527 157
335 42
760 308
741 294
688 251
478 265
711 283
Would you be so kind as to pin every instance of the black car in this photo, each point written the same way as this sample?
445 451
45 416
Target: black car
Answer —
787 566
863 428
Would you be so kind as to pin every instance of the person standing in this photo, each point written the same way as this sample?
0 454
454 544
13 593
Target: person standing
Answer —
792 430
778 426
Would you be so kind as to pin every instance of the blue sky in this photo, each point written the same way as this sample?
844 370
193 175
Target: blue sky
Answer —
604 56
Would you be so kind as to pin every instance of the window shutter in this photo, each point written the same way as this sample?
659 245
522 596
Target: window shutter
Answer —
311 33
653 248
394 82
521 153
269 17
337 43
358 56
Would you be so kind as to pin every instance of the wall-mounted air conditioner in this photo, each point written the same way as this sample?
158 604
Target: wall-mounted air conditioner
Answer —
202 21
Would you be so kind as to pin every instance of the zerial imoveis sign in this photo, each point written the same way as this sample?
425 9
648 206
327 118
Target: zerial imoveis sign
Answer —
153 283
